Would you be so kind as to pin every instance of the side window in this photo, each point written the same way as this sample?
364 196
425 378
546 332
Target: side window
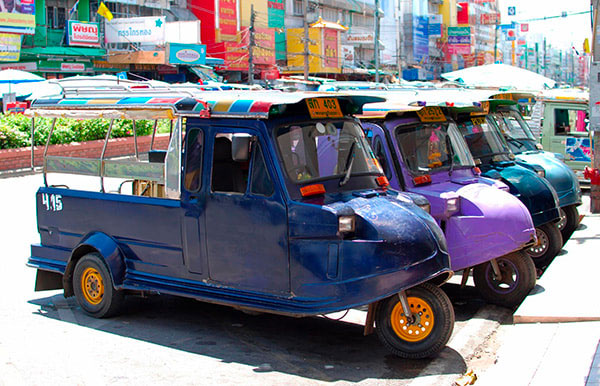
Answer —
260 181
229 174
194 145
570 122
381 157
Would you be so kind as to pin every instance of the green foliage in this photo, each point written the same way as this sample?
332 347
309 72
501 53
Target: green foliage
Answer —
15 130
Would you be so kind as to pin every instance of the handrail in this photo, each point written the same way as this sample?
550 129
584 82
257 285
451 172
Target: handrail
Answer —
46 149
102 155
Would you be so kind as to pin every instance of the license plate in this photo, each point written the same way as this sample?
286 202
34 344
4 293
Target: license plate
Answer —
478 121
320 108
431 114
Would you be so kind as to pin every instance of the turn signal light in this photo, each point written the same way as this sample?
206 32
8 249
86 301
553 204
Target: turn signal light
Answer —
312 190
382 181
422 180
476 170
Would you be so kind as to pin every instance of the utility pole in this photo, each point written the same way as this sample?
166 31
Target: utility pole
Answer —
251 46
306 53
496 42
398 38
400 29
376 41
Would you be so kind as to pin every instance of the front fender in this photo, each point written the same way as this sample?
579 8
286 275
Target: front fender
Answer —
107 248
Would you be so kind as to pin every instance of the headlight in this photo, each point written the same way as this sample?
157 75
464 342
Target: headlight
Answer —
539 146
452 205
541 173
346 224
425 206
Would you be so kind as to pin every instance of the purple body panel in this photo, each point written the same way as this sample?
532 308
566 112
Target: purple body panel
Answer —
489 223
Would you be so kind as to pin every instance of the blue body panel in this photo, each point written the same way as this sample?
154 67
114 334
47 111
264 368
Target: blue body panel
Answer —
562 177
280 253
534 191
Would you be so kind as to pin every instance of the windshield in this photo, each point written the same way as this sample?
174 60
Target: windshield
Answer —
430 146
325 149
483 138
515 130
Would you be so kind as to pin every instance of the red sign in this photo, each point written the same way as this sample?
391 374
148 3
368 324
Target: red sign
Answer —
236 56
489 18
264 49
228 18
524 27
462 16
459 49
330 45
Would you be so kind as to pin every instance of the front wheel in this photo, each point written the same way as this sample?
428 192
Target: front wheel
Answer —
548 245
94 288
569 221
429 330
517 279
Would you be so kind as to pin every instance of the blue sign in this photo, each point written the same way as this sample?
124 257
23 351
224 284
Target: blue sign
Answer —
122 75
186 54
421 38
460 39
512 11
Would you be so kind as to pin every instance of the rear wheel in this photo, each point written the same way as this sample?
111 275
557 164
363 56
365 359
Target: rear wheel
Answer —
548 245
428 331
94 288
517 279
569 221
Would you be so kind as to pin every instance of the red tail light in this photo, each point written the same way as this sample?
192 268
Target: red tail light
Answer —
312 190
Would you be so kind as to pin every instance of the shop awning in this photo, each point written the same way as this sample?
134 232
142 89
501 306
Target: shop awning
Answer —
328 24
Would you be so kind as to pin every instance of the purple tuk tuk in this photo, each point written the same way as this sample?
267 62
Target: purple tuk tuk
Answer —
487 228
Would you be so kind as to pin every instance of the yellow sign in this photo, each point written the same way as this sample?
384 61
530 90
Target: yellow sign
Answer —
17 22
320 108
10 47
431 114
478 121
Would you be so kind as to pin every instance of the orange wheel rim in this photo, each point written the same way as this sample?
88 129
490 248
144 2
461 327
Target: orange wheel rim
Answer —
92 286
423 322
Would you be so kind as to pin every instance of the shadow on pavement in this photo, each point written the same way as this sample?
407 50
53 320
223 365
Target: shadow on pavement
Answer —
314 348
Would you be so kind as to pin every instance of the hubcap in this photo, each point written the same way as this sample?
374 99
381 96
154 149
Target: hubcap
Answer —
541 246
423 322
563 219
509 279
92 286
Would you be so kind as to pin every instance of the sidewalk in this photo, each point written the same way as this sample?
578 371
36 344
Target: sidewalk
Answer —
556 336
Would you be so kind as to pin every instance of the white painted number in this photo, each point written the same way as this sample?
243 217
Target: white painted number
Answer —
52 202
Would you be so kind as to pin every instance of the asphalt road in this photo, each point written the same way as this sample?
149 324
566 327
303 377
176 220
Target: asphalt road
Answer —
47 339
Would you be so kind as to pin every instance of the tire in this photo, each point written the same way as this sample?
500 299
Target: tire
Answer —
548 245
518 279
426 301
569 221
94 288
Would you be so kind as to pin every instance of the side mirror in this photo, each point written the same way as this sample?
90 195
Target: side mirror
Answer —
240 148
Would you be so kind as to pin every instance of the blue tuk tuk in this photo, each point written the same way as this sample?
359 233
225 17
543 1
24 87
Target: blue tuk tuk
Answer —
268 202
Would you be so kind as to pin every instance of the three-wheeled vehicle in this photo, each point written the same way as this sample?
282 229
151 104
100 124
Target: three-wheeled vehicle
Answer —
528 153
268 202
487 228
496 161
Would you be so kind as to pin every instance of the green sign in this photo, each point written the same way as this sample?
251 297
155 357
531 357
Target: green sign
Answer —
459 31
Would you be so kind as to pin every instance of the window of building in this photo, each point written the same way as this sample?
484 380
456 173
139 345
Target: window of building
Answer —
298 9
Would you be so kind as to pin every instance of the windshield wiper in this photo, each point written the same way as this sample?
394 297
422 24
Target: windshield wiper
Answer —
349 163
451 154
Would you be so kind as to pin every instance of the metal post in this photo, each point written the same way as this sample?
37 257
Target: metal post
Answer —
496 42
306 53
137 155
398 39
46 150
594 111
102 155
376 41
251 46
32 142
153 134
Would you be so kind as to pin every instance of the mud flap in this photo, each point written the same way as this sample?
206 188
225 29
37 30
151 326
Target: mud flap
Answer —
46 280
370 320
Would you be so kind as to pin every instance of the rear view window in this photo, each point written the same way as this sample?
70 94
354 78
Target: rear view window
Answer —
571 122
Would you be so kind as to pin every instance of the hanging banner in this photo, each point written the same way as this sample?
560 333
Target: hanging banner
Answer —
10 47
83 34
17 17
135 30
330 50
228 19
347 56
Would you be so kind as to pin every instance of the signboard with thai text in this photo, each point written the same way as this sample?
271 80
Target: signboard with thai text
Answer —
264 50
17 17
228 19
187 54
10 47
72 67
135 30
330 50
83 34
